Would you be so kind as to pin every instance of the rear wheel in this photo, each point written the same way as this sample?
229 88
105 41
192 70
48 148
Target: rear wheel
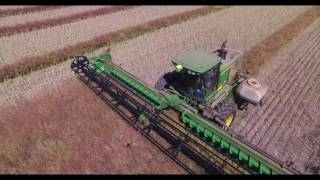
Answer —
161 84
165 80
227 111
229 120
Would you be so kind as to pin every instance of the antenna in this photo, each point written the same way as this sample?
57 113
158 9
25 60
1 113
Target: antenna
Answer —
224 44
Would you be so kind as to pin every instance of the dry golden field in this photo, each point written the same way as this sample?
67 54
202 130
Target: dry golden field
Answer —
52 123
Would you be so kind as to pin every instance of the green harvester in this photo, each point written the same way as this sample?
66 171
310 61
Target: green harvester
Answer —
206 88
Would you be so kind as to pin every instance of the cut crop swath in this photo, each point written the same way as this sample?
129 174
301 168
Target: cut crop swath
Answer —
24 10
30 64
30 26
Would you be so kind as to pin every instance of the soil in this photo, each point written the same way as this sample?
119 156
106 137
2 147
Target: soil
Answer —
72 131
287 125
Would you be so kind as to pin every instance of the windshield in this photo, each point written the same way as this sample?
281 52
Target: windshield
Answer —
188 81
211 79
191 81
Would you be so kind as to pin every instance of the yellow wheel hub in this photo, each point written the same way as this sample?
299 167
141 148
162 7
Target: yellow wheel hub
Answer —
229 120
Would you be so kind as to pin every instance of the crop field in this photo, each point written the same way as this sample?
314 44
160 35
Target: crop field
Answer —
81 31
122 30
15 10
27 22
52 123
44 15
65 133
287 125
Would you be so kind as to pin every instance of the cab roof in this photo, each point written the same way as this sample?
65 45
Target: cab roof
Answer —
197 60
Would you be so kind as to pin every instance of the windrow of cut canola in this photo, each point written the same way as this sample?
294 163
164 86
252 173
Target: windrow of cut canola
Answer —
37 83
47 40
25 9
146 53
28 64
266 49
227 26
45 19
142 52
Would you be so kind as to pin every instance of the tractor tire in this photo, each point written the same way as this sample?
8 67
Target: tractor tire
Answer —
161 84
226 109
165 80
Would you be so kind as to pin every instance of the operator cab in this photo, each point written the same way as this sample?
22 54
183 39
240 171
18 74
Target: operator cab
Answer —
197 73
207 80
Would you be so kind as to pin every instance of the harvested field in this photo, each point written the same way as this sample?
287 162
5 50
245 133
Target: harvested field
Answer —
38 42
7 7
29 155
17 24
287 125
15 10
28 64
65 133
67 124
207 32
265 50
44 15
141 44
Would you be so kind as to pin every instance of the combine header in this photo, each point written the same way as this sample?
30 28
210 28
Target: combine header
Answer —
191 107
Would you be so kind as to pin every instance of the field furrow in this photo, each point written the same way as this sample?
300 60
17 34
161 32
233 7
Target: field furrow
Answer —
68 116
283 127
303 108
40 20
277 66
282 71
289 101
282 92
